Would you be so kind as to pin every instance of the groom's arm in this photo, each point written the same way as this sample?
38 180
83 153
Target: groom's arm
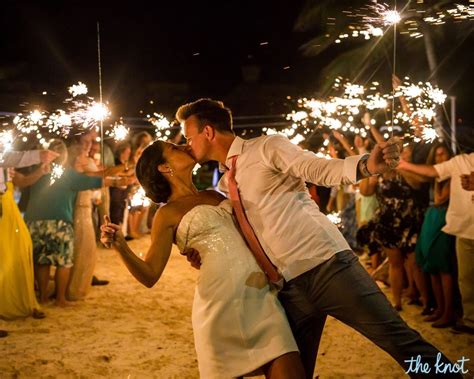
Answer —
279 153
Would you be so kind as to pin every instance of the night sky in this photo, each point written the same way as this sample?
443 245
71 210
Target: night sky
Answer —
203 44
200 46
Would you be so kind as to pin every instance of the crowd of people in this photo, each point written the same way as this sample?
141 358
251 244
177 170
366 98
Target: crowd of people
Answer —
414 225
57 219
415 222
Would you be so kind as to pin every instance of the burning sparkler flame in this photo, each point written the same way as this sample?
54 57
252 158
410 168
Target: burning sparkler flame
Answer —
391 17
6 141
139 199
120 132
429 134
56 172
78 89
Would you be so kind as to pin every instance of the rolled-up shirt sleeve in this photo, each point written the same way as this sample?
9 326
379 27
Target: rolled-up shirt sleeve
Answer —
278 152
20 159
445 169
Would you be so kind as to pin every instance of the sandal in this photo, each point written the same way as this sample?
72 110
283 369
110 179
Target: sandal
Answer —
37 314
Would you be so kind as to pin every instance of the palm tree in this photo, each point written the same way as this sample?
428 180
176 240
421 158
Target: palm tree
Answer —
336 17
361 61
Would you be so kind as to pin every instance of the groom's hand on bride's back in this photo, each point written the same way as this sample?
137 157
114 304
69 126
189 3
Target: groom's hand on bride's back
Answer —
193 257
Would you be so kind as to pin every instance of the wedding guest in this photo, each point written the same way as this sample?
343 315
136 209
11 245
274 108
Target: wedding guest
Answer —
459 223
16 269
49 217
435 252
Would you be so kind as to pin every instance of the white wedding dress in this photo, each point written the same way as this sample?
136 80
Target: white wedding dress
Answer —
238 322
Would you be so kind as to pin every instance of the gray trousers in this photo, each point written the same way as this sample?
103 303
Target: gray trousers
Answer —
342 288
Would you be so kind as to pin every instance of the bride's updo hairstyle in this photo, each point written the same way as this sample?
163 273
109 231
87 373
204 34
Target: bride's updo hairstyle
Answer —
153 182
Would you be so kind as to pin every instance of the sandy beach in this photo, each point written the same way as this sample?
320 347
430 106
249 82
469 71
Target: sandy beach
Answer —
124 330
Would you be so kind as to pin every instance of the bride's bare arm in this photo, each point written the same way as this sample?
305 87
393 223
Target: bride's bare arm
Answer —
146 271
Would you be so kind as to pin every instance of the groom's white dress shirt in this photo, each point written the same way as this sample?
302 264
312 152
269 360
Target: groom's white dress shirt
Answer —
271 174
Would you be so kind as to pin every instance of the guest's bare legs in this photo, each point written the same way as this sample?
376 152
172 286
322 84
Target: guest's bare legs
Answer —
375 261
448 314
411 291
438 294
420 279
395 261
62 280
42 277
286 366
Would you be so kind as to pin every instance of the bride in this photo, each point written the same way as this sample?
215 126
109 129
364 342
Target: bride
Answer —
239 326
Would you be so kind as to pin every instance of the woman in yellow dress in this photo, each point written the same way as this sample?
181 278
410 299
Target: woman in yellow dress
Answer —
16 274
17 292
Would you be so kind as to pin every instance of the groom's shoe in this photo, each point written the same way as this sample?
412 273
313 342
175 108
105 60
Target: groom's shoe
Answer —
3 333
99 282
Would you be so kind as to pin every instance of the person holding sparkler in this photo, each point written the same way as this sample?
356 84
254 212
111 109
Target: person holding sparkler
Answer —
459 223
49 216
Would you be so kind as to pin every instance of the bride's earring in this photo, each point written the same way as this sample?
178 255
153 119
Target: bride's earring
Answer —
171 172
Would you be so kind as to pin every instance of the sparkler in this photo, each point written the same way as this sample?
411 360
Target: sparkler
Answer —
139 199
340 112
119 132
335 218
56 172
6 141
78 89
368 21
161 124
429 134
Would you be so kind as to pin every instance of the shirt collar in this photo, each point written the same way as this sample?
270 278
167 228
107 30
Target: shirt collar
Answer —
236 148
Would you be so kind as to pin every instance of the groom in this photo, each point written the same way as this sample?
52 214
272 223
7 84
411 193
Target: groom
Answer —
294 243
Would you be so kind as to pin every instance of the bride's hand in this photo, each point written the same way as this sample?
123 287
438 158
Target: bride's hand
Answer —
111 234
193 257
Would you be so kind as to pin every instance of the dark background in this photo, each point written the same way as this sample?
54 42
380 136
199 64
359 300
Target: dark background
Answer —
175 51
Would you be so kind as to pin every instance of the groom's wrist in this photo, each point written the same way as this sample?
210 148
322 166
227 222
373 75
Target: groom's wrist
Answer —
363 169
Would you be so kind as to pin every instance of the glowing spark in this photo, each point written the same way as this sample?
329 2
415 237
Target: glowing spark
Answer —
139 199
412 91
196 168
119 132
297 139
159 121
78 89
353 90
6 140
98 112
437 95
429 134
59 123
56 172
88 114
299 116
334 218
376 32
391 17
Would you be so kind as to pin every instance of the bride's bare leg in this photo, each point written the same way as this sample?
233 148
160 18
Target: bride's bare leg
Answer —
287 366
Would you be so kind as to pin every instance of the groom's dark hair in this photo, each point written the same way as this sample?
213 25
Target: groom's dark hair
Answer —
208 112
